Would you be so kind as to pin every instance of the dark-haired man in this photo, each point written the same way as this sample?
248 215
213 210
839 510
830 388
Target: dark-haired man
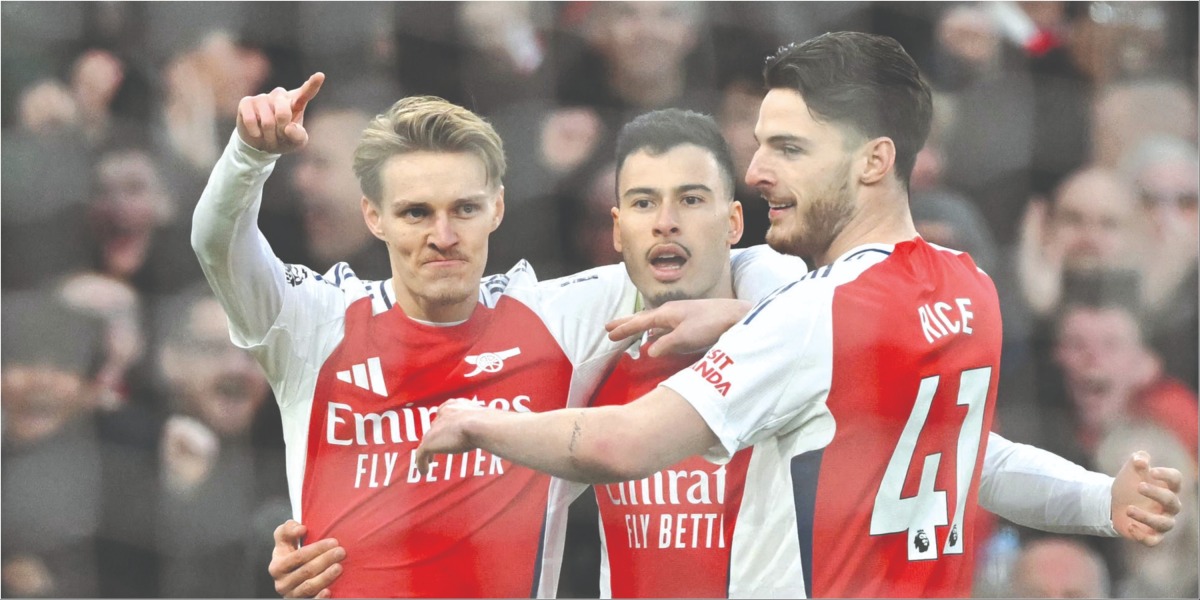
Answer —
872 377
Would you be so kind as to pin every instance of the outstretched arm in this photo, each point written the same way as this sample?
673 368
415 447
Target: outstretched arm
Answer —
236 259
591 445
1035 488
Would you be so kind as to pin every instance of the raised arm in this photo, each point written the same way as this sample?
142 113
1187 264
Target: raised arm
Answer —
1035 488
237 260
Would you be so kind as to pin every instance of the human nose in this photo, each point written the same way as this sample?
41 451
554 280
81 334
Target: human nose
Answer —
666 221
443 235
759 174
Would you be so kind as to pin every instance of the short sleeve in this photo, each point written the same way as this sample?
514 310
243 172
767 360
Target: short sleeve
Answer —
768 374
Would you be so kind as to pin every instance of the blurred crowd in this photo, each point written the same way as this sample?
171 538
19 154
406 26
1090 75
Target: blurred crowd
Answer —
142 454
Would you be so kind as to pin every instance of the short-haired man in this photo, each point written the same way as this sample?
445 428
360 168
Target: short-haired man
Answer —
359 367
894 340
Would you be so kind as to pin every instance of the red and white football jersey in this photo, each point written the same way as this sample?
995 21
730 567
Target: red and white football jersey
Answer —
363 395
668 535
874 380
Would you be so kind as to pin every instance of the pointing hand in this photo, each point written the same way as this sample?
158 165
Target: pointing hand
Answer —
274 122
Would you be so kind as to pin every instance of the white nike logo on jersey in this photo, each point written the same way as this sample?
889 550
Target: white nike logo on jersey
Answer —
490 362
367 376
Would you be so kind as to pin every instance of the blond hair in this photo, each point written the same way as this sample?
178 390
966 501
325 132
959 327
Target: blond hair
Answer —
425 124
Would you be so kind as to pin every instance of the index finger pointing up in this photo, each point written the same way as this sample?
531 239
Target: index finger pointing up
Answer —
307 91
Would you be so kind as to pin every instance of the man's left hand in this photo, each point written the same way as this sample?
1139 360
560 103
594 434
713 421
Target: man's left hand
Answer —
1145 500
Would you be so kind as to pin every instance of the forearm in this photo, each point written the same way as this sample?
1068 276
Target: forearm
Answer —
596 445
566 443
237 260
1035 488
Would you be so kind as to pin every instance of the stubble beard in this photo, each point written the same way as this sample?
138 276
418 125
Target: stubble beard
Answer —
668 296
824 219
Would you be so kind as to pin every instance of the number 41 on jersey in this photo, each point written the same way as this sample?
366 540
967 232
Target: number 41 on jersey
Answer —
918 515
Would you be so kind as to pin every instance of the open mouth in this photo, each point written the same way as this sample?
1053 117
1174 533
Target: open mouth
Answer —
667 261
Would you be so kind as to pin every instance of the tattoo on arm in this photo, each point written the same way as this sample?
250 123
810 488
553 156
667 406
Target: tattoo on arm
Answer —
575 431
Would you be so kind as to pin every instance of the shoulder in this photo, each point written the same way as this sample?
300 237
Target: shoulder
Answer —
583 287
492 287
340 279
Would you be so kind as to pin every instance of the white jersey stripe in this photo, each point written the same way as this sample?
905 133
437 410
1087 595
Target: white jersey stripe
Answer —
376 373
360 376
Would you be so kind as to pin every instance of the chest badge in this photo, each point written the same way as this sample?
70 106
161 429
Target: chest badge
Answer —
489 362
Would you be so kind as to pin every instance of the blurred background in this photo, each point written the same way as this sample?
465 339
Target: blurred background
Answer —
142 454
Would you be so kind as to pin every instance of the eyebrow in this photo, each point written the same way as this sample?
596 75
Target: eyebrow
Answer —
405 203
640 190
687 187
693 186
785 138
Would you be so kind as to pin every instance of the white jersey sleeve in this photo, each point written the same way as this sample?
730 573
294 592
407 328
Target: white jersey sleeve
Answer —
769 373
1035 488
237 260
287 316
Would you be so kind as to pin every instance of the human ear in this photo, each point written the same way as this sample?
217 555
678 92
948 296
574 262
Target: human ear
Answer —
616 217
371 217
737 224
878 159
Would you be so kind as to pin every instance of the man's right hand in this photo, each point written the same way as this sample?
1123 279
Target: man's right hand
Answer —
274 122
681 326
304 572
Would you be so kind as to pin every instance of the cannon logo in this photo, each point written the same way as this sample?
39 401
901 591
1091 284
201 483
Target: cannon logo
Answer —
489 362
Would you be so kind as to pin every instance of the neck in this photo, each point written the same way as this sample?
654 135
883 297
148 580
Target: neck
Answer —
881 217
433 311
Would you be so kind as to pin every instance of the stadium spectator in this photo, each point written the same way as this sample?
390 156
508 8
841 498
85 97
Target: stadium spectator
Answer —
1166 174
1111 376
219 487
993 92
645 55
1092 225
1059 568
588 205
132 223
739 101
1125 113
561 147
202 89
510 52
118 305
67 524
942 215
